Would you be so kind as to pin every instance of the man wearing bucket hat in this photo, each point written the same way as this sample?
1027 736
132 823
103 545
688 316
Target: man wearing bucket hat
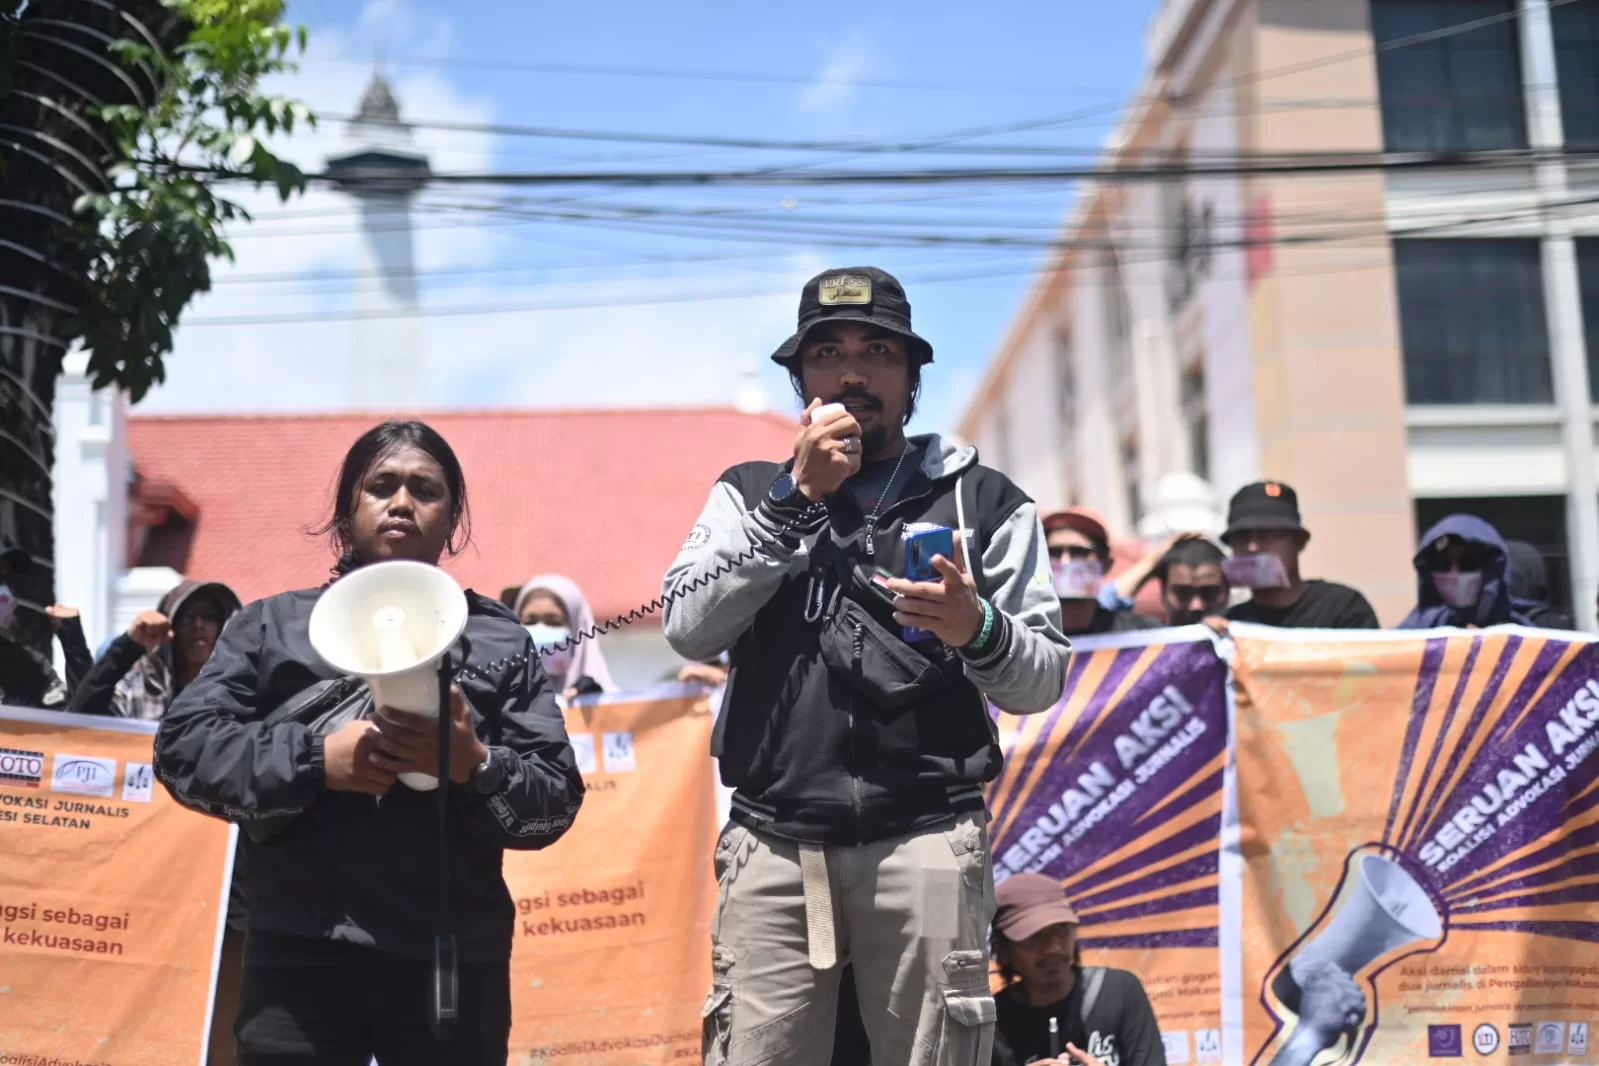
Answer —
1266 536
1053 1009
857 749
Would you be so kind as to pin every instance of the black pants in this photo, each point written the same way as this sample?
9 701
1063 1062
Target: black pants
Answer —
318 1002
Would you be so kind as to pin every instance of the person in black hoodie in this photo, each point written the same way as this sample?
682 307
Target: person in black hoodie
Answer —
1462 577
144 669
1529 587
345 886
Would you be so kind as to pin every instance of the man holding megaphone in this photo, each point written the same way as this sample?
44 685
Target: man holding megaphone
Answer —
380 925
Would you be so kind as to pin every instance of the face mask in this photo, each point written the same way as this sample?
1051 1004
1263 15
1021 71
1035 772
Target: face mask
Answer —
8 605
1077 579
554 645
1255 572
1459 588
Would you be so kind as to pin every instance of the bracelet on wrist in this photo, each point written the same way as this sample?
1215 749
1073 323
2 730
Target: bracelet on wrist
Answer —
979 643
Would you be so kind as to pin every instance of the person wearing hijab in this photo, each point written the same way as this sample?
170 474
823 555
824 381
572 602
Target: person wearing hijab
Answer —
554 611
1529 587
1462 577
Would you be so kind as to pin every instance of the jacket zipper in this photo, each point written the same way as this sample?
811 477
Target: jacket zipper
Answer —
855 760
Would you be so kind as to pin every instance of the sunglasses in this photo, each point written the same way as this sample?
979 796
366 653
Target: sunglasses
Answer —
1076 553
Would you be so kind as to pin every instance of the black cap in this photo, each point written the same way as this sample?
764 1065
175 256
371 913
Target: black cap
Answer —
854 294
1263 507
19 560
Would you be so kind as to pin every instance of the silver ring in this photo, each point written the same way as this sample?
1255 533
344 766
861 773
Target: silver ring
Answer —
850 445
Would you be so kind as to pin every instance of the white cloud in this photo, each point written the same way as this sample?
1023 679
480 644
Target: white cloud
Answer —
836 85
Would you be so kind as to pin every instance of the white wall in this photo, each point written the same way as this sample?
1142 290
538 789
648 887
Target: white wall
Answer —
90 498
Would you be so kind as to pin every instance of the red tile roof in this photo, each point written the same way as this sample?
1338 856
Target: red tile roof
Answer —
605 497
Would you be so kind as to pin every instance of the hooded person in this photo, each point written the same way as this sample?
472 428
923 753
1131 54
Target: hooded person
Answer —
144 669
554 611
1462 577
1529 587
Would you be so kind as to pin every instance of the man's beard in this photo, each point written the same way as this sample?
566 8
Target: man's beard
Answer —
874 440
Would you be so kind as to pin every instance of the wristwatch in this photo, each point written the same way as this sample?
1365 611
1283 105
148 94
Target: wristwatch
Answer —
486 775
785 492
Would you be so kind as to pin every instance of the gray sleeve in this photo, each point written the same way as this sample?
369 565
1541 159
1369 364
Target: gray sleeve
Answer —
731 564
1027 673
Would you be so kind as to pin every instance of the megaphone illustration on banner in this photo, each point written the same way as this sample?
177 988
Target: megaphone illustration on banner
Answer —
1384 909
390 623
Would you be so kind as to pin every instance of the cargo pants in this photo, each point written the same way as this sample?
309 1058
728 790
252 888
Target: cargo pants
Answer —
910 913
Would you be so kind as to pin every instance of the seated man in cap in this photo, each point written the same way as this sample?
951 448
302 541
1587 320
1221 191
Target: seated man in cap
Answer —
1053 1009
1265 534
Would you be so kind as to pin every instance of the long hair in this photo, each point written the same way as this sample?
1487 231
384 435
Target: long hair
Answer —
369 448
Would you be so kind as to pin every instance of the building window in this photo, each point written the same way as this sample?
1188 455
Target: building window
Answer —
1472 321
1118 319
1130 480
1588 278
1576 31
1066 380
1538 520
1196 421
1457 92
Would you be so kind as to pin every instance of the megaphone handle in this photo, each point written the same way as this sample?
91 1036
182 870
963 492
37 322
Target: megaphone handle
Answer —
444 1006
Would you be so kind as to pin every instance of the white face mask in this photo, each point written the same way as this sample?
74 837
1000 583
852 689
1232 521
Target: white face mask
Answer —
555 647
1260 571
1077 579
8 605
1459 588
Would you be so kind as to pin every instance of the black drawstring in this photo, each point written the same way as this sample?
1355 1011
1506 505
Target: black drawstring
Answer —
444 1007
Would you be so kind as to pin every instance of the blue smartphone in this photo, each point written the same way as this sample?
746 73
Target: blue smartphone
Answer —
921 544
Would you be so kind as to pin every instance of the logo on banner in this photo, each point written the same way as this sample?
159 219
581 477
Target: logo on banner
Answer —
618 753
1443 1042
1176 1047
1578 1044
84 775
1207 1045
1521 1038
1551 1038
138 783
21 769
1485 1039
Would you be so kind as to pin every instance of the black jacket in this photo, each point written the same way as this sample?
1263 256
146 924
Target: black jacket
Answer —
352 867
811 751
28 677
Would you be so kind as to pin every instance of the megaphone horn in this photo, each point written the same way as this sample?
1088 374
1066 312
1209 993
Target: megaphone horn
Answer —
391 623
1384 909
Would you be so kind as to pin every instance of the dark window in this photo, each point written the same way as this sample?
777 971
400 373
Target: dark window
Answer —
1576 31
1538 520
1455 92
1195 418
1471 317
1066 376
1588 277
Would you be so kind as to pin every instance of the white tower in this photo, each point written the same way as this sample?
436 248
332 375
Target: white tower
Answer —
384 175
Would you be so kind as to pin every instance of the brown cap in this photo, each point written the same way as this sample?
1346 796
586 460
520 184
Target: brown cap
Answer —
1027 904
1089 523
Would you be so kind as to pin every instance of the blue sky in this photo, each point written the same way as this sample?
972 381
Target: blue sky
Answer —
884 71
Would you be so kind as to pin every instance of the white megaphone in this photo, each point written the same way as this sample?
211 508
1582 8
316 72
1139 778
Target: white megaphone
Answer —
1384 909
390 623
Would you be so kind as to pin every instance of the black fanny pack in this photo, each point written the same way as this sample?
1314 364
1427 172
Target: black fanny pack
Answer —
863 645
323 708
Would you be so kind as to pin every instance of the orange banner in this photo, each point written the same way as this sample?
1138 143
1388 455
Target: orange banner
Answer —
111 899
613 944
1418 817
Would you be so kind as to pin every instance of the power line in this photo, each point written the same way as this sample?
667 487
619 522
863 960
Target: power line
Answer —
1328 163
697 74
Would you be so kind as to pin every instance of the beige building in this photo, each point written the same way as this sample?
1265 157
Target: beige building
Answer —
1397 341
